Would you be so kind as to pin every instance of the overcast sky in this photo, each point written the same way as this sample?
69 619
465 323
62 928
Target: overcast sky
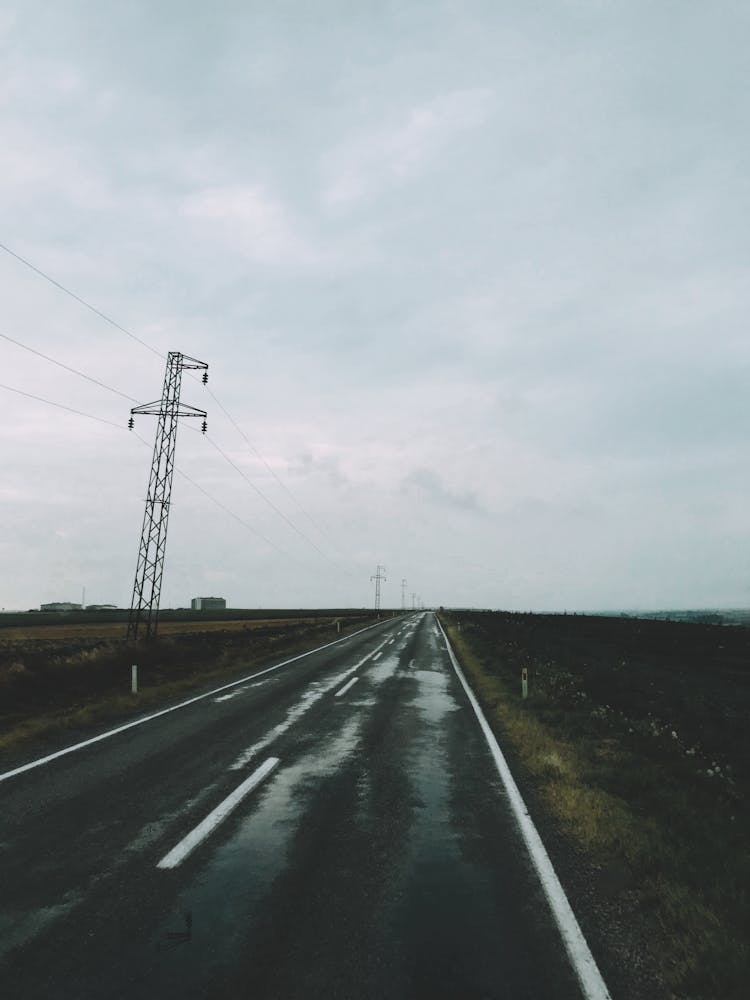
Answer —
471 277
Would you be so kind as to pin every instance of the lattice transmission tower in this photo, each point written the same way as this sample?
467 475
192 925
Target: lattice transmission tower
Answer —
144 607
378 578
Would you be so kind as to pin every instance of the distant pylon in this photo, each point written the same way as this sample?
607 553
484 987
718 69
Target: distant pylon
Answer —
403 595
144 607
379 575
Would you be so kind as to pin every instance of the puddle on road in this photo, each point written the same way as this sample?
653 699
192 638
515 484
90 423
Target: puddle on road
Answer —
433 697
383 669
154 830
443 884
429 766
18 929
228 892
313 694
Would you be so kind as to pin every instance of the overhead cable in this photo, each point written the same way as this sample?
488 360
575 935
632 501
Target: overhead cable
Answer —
258 455
61 406
68 368
143 343
270 503
83 302
223 507
119 427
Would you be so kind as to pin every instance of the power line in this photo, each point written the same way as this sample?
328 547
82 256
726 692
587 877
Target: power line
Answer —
270 503
258 455
83 302
117 392
60 364
120 427
128 333
263 497
236 517
222 506
61 406
110 423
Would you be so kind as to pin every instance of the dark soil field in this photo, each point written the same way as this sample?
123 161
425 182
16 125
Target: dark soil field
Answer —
634 745
686 683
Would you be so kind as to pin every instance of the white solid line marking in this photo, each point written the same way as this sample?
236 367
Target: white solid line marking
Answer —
165 711
592 984
196 836
346 687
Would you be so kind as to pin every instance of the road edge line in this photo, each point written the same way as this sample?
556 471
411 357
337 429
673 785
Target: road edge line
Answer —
225 808
579 953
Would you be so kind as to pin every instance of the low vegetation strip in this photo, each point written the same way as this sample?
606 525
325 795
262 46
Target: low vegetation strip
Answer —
650 790
68 680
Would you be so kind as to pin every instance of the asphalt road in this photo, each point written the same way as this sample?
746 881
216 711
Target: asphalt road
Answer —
333 828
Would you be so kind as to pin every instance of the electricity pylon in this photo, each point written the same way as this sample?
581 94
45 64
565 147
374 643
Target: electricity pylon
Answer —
377 578
403 595
144 607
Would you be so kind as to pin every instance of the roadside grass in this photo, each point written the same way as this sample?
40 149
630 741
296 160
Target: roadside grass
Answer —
661 830
118 630
54 687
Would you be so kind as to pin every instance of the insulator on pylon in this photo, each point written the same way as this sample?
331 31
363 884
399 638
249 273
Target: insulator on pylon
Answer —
204 427
130 424
205 377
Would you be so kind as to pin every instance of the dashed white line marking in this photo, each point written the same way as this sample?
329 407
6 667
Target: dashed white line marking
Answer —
346 687
228 697
376 658
311 696
583 962
196 836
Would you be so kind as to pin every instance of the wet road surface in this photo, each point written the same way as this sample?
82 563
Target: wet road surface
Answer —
333 828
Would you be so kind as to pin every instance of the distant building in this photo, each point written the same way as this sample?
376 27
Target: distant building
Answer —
101 607
61 606
208 604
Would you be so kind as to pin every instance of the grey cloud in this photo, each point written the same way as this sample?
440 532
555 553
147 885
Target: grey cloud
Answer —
429 484
509 233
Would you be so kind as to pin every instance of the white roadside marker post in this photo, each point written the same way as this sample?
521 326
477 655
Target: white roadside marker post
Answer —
134 679
524 683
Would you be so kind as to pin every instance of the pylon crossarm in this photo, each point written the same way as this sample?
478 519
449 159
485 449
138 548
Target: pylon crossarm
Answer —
192 363
190 411
155 410
149 408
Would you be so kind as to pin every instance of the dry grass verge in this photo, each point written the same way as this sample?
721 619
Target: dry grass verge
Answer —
667 829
